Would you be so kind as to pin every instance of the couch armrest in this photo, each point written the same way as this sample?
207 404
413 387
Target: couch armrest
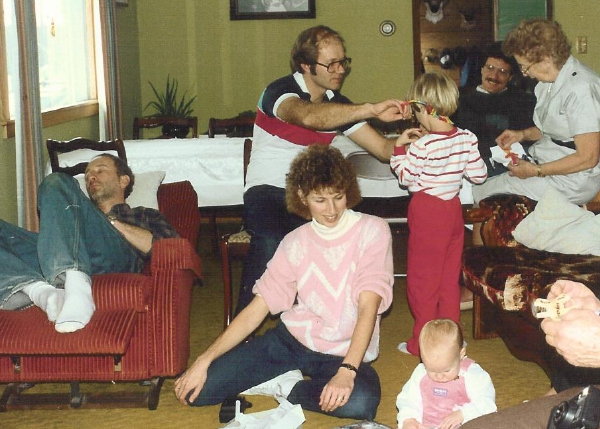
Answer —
174 254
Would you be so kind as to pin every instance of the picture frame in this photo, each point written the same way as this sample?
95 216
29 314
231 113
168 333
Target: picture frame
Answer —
272 9
508 14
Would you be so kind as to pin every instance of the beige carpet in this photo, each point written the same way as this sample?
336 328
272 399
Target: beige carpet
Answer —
515 380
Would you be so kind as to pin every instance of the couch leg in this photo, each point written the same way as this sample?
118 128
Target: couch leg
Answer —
154 392
484 318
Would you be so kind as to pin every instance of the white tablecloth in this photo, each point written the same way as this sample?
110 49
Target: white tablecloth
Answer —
215 166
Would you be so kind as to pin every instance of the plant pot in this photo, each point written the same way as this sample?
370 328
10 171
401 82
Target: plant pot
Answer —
174 130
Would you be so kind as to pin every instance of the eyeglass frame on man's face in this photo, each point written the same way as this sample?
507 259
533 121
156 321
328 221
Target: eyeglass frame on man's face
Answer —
501 70
344 63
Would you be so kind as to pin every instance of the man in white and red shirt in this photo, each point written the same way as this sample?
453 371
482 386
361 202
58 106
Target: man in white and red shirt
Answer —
293 112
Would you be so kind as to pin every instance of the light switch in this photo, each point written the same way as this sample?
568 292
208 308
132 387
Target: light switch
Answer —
582 44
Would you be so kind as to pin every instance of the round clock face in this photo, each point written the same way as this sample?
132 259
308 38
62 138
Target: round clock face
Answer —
387 28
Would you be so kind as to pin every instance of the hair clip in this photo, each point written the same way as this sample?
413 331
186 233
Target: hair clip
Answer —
431 110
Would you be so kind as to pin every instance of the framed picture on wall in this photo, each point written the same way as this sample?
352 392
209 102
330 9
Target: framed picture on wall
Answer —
508 14
271 9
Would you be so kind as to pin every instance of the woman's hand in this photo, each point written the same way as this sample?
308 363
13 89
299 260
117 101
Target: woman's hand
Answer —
338 390
408 136
192 380
522 169
508 137
412 424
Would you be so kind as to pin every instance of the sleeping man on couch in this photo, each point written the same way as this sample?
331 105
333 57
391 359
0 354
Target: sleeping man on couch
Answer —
576 336
78 237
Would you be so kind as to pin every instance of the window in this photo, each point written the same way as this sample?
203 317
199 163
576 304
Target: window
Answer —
65 40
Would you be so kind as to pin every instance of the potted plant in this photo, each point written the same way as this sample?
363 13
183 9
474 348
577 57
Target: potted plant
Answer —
170 105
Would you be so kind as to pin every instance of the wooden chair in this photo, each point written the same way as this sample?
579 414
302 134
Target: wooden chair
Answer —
56 147
178 124
240 126
233 246
138 333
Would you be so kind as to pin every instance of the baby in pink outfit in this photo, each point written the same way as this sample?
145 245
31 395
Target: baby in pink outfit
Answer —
446 389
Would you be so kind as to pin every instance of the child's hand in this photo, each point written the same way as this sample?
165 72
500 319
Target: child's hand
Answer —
452 421
408 136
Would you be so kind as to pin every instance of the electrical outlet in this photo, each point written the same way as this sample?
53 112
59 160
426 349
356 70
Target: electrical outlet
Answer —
582 44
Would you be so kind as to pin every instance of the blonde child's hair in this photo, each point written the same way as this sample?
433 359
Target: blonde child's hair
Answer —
441 332
436 90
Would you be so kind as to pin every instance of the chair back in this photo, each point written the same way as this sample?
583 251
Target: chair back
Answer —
240 126
160 121
366 166
247 152
56 147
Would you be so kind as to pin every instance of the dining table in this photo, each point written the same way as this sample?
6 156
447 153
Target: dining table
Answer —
215 166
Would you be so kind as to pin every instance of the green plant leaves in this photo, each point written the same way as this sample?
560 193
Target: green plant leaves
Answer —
168 103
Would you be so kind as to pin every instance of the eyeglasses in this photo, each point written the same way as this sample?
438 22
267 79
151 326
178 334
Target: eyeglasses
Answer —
491 68
524 69
335 65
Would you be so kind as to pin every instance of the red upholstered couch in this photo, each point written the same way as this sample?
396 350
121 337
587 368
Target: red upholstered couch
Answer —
506 277
139 332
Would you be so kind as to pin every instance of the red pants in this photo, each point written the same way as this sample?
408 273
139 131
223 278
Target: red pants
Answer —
435 245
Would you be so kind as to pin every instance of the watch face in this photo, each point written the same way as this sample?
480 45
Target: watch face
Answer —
387 28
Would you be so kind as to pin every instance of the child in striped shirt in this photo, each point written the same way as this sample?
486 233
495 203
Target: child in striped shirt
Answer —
431 162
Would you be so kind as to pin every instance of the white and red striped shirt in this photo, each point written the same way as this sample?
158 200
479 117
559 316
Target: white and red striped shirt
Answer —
437 162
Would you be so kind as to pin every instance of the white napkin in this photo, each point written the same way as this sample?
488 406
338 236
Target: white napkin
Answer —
501 157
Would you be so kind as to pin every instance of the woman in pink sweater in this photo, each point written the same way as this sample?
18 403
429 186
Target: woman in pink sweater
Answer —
330 279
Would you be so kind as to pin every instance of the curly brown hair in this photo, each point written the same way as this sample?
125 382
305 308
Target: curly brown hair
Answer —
316 168
307 45
536 39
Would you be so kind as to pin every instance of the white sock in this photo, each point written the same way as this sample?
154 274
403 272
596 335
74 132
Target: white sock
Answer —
47 297
79 303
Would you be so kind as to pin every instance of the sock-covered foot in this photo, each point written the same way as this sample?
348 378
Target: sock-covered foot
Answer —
79 305
47 297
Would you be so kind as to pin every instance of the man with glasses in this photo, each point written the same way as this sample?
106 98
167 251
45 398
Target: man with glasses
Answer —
494 105
295 111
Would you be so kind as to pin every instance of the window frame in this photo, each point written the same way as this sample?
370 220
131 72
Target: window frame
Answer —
63 114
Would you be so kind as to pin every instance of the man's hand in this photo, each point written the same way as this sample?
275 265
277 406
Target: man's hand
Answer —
191 380
576 336
508 137
390 110
452 420
580 296
338 390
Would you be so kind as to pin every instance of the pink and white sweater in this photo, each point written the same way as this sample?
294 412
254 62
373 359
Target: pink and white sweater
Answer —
437 162
316 283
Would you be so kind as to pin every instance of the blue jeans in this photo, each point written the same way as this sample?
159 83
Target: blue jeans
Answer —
277 352
74 235
267 219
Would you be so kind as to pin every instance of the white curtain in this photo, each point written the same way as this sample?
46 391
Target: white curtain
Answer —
28 123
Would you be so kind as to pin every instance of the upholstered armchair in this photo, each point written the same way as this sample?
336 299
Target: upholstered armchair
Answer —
139 332
506 277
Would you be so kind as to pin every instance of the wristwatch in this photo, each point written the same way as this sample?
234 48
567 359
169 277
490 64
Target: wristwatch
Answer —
111 218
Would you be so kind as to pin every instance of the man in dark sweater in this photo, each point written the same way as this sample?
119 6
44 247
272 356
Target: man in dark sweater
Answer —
494 105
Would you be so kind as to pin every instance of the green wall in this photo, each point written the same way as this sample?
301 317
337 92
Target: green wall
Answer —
228 63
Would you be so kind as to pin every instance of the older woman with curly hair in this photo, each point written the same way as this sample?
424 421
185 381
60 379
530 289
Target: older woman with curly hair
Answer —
330 279
566 153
